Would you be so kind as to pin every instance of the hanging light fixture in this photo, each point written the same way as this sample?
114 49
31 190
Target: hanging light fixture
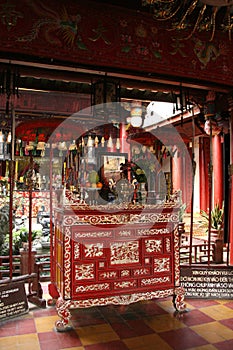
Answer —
105 95
136 114
181 102
9 84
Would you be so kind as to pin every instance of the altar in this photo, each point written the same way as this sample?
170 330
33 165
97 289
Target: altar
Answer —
114 254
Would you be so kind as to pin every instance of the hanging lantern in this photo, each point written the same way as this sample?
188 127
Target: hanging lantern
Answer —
136 114
105 94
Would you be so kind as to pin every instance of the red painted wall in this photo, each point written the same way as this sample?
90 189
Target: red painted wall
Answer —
89 34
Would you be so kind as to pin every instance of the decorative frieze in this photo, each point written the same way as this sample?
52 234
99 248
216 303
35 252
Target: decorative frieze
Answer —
92 234
97 287
152 231
155 280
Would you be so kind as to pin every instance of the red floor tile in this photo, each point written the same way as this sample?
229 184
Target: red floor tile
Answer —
229 304
114 345
131 329
61 340
195 317
45 312
197 303
25 327
226 345
228 323
7 329
149 309
181 339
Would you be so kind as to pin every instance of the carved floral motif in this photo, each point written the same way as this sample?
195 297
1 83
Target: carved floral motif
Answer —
153 245
92 288
124 252
93 250
152 231
162 265
84 271
108 275
125 284
155 280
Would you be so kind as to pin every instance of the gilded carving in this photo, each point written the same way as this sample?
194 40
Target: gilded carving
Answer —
108 275
162 265
168 244
125 284
92 234
155 280
84 271
125 273
93 250
67 262
76 251
141 271
152 231
153 245
124 252
92 287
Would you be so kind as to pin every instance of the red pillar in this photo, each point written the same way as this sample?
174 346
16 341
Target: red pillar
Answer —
230 216
202 174
124 145
177 172
217 170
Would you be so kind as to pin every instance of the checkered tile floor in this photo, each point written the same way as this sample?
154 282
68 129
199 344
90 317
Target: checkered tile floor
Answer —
152 325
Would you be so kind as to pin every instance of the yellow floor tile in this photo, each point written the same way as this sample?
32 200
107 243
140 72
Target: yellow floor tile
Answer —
45 324
162 323
213 332
20 342
96 334
204 347
167 305
146 342
75 348
218 312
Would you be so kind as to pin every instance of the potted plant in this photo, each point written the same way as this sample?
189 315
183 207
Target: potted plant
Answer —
216 230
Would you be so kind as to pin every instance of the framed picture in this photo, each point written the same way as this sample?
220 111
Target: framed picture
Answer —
109 165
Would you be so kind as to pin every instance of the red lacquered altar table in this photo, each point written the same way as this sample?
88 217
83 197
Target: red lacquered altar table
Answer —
116 254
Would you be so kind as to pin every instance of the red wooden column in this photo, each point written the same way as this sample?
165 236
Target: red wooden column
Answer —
230 216
203 173
124 145
177 172
217 170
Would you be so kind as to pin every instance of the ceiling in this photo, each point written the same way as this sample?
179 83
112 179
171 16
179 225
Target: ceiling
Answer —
67 79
